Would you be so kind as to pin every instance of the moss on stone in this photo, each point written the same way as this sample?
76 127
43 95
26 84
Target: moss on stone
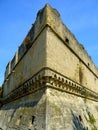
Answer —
91 120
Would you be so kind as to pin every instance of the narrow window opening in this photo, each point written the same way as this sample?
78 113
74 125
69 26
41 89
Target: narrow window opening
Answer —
33 118
67 40
80 118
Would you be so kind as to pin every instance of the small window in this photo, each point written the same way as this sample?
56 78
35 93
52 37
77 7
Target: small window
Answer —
67 40
33 118
80 118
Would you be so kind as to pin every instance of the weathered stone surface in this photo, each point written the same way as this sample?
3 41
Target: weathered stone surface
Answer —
28 113
68 112
49 109
51 83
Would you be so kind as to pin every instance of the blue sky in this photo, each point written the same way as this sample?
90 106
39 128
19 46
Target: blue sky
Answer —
17 16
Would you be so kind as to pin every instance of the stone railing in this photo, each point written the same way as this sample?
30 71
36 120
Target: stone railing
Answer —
52 79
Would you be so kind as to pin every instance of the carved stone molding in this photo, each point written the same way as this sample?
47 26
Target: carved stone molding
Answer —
50 78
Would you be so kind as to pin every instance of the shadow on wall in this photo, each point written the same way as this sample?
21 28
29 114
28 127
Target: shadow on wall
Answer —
23 113
77 122
25 101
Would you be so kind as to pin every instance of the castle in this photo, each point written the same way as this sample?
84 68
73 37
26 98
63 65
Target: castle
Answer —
51 82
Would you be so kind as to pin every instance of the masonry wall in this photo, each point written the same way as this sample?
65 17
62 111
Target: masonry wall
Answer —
27 113
60 29
68 112
63 60
31 63
49 109
64 54
52 101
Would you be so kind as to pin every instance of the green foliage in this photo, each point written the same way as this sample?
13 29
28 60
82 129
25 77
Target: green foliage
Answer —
91 120
94 128
86 128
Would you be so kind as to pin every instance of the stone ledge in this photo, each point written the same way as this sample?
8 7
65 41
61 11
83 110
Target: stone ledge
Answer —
50 78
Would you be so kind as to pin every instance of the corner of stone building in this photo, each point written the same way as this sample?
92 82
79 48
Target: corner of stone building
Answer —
58 105
68 112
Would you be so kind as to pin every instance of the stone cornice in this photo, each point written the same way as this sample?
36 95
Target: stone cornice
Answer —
52 79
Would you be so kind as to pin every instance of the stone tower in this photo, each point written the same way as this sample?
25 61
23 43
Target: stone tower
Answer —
51 82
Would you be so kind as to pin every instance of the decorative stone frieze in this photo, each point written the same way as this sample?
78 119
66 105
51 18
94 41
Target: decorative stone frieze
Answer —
50 78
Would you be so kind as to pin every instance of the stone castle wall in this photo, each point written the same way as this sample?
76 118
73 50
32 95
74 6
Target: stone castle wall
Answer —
29 113
51 82
31 63
63 60
64 54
